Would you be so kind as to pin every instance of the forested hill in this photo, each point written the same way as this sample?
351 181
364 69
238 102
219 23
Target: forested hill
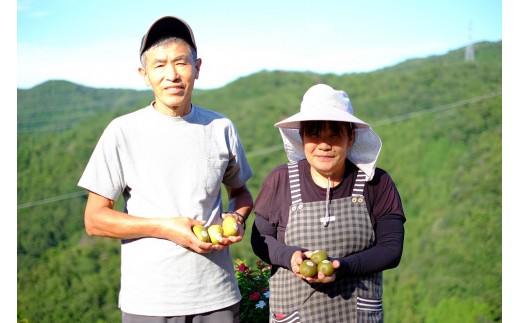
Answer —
440 122
60 105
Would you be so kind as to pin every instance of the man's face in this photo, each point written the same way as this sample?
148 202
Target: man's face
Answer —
171 73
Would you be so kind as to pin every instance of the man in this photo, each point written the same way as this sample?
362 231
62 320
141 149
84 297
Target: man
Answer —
168 161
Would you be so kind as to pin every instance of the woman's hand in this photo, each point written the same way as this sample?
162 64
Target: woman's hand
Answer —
299 256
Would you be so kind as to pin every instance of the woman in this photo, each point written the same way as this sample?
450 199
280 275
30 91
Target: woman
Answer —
331 197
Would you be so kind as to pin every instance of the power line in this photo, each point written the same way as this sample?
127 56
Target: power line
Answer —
266 150
52 199
271 149
436 109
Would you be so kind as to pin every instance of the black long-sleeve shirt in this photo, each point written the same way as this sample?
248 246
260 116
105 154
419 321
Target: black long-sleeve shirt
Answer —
384 205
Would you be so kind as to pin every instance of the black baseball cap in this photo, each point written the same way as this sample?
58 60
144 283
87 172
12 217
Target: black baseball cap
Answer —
168 26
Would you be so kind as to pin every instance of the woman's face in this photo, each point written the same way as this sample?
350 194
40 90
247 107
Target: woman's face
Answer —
326 145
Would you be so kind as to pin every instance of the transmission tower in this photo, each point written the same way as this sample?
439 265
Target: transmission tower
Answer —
470 50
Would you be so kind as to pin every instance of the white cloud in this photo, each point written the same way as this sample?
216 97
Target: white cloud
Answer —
100 65
114 64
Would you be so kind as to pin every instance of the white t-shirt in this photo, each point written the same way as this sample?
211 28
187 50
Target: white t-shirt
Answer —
170 166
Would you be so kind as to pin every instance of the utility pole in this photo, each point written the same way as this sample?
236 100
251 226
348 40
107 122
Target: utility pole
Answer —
470 50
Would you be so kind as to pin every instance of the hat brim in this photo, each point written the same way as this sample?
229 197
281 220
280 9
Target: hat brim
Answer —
293 122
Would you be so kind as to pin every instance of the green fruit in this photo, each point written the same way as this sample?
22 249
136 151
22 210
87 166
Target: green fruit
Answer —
201 232
318 256
325 266
230 226
215 233
308 268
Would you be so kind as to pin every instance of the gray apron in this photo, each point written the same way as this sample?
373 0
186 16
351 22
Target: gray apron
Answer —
345 230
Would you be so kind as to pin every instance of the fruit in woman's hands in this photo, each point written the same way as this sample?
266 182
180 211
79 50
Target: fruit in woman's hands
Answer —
325 266
230 226
215 232
317 262
201 232
318 256
308 268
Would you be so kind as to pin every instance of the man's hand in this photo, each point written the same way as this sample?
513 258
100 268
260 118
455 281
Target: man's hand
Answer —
179 230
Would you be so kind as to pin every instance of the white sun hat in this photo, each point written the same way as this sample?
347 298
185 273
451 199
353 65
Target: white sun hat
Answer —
322 103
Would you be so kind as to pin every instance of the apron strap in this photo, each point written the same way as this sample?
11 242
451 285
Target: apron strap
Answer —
359 185
294 182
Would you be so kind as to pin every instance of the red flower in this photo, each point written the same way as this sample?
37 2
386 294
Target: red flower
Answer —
254 296
242 267
260 264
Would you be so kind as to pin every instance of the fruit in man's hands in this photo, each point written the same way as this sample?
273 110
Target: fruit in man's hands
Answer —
215 232
230 226
308 268
325 266
201 232
318 256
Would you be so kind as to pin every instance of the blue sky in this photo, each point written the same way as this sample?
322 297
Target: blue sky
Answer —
95 43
